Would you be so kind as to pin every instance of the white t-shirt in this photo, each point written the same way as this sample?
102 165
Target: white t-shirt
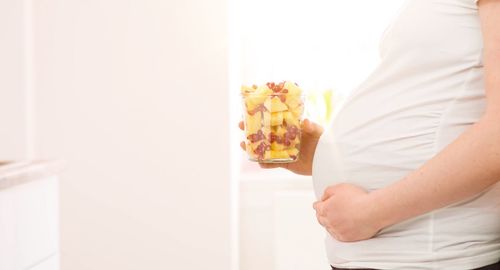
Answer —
427 89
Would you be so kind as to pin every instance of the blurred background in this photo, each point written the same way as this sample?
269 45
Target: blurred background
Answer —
140 98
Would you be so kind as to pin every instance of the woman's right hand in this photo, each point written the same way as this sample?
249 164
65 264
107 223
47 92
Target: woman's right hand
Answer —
311 133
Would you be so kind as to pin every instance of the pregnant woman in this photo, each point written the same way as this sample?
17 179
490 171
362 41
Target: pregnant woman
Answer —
406 175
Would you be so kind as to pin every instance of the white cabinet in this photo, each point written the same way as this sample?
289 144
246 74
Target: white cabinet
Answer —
29 224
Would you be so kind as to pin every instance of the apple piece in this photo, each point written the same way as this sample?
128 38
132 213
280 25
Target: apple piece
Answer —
293 89
290 119
277 146
253 123
279 154
276 118
275 105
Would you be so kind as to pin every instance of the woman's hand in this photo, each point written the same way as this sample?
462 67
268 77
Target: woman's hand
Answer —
348 213
309 139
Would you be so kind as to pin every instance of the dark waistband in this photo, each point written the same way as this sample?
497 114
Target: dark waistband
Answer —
495 266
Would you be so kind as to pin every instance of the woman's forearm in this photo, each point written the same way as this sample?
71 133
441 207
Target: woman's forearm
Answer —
464 168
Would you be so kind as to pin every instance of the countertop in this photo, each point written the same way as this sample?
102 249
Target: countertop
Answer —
20 172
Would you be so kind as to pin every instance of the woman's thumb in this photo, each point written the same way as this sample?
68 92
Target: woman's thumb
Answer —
312 129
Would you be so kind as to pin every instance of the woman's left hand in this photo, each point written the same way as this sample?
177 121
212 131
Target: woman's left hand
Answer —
348 213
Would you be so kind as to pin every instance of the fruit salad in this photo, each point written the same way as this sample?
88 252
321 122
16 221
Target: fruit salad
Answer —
272 116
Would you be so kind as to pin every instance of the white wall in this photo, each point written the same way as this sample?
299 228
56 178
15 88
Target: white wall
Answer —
133 94
13 131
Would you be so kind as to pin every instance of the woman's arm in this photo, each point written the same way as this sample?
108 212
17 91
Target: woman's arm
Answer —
468 165
464 168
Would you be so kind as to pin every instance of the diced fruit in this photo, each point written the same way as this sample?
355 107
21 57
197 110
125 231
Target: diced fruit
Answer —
277 146
259 136
267 155
293 152
272 120
257 109
293 101
253 123
297 112
276 118
250 149
253 101
245 89
275 138
262 148
282 98
263 90
293 131
280 131
279 154
293 89
266 130
267 119
295 142
290 119
275 105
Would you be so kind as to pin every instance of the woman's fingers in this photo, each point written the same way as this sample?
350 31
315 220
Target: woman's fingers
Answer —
241 125
312 129
243 146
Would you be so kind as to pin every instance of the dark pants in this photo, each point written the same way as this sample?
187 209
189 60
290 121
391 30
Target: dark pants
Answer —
495 266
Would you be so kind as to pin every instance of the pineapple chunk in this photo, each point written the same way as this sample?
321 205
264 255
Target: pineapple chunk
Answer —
279 131
275 105
293 152
252 146
293 101
267 155
276 118
253 101
279 154
293 89
246 89
267 119
249 149
297 112
290 119
263 90
253 123
277 146
295 142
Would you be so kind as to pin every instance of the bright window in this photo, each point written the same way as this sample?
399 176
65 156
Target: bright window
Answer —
324 45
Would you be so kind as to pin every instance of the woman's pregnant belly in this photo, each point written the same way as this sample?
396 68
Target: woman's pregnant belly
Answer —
381 135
